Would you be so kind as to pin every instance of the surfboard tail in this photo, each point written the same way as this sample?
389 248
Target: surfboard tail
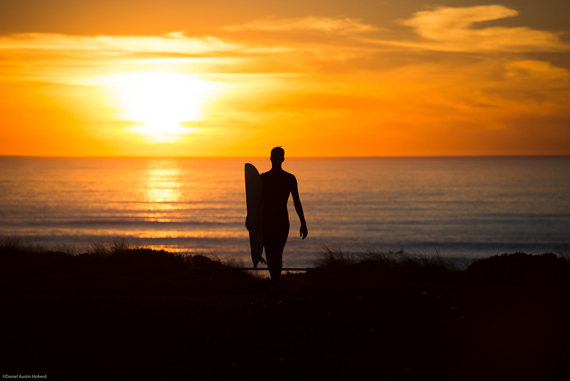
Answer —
256 261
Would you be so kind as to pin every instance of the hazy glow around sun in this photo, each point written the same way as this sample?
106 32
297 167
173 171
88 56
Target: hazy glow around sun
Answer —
161 101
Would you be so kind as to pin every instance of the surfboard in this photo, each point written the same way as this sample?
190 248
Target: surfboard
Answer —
253 193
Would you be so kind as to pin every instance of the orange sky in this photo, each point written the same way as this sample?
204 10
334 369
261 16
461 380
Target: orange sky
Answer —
463 78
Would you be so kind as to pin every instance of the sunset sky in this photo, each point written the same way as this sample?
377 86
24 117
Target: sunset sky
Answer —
320 77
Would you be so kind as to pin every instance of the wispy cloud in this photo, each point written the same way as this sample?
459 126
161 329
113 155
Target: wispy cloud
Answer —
66 56
175 42
452 30
329 25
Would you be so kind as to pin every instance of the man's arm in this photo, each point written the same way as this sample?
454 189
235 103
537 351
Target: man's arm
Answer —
299 208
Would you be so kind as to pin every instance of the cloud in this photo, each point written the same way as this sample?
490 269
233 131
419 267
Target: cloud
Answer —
436 24
60 52
69 59
329 25
175 42
451 29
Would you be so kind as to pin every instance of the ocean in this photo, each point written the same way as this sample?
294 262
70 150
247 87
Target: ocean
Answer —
460 207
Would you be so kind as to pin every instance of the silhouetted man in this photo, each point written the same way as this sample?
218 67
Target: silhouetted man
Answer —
277 185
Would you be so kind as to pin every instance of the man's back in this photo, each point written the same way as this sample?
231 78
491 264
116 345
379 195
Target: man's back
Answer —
277 185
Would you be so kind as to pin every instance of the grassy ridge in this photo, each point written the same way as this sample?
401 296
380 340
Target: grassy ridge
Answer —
120 312
115 269
121 269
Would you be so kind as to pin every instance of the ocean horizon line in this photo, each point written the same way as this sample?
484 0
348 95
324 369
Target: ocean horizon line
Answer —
290 157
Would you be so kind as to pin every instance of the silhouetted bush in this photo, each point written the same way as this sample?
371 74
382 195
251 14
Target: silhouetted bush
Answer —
201 261
520 268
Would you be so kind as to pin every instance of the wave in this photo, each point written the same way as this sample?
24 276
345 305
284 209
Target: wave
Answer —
107 222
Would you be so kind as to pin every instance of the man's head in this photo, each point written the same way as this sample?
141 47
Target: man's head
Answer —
277 155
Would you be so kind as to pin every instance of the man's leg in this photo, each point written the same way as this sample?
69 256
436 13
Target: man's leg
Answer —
274 240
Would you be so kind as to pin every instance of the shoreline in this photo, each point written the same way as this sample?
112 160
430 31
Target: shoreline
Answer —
296 255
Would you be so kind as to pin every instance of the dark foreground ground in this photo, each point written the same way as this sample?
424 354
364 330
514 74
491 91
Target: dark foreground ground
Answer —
142 314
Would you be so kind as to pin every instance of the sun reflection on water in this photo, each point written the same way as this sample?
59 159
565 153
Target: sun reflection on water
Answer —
162 191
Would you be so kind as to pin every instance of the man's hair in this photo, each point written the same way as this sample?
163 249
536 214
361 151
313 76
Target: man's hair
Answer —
278 152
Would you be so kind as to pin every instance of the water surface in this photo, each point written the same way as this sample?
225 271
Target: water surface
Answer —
466 207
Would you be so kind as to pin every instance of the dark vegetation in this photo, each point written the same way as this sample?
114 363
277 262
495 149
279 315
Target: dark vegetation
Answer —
119 312
115 270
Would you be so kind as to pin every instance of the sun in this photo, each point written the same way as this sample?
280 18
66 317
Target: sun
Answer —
159 102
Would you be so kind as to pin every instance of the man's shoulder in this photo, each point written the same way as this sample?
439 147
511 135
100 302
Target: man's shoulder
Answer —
289 175
291 179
